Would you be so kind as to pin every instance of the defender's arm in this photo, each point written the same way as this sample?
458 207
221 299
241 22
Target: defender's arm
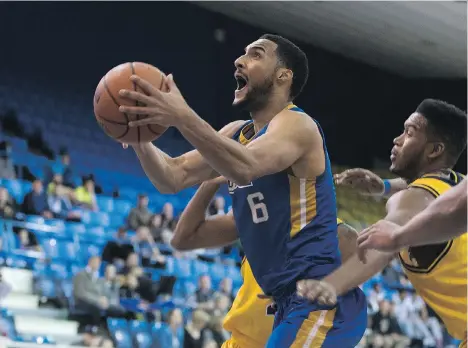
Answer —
193 231
347 237
400 209
289 135
170 175
444 219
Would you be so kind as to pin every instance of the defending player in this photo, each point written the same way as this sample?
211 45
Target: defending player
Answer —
248 319
433 139
281 183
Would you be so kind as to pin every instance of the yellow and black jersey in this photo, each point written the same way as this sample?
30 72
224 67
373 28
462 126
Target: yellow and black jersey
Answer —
439 272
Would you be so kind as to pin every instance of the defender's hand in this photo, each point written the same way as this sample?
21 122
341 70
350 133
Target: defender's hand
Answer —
364 181
161 107
380 236
317 290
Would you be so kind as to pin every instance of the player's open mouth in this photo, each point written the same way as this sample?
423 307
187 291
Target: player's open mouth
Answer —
241 82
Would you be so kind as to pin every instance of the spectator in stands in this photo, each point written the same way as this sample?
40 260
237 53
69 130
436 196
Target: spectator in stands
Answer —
216 332
7 169
168 220
386 332
376 294
172 335
217 207
145 288
117 250
93 338
62 168
193 333
222 304
431 334
156 228
111 287
27 240
8 207
85 195
60 200
140 215
35 202
89 295
147 249
225 288
204 293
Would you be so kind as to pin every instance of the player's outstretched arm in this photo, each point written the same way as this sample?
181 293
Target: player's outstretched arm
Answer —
170 175
194 231
368 183
444 219
400 209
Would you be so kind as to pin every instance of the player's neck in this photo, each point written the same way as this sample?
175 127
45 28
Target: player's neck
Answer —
264 115
433 168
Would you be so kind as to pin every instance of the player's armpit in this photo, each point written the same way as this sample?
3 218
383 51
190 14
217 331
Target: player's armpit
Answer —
212 233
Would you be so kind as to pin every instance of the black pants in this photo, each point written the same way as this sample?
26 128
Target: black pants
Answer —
96 313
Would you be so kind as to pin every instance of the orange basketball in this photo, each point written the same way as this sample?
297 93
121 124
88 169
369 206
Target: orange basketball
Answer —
107 101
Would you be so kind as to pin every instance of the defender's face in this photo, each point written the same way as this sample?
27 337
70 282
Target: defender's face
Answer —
255 72
408 152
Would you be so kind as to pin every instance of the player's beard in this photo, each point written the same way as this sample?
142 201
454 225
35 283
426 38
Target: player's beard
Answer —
257 96
411 169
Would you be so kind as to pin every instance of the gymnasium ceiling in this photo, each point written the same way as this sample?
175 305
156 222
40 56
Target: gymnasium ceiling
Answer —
413 39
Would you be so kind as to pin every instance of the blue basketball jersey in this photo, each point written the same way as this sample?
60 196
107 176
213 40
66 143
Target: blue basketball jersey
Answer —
287 225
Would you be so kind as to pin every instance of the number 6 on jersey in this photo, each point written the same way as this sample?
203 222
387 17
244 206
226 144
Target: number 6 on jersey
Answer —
258 208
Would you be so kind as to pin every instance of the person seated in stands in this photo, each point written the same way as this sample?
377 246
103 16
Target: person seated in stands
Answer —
8 206
7 169
92 337
217 206
172 335
85 195
216 331
140 215
193 332
204 294
116 251
147 249
63 168
35 202
225 288
222 303
168 219
156 228
146 289
89 294
27 240
111 286
60 200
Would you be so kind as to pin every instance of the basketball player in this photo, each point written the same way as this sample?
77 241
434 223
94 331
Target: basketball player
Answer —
249 320
434 137
281 183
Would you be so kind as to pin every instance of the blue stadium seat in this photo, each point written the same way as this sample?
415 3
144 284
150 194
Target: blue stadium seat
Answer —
122 207
233 272
35 219
116 219
217 271
199 268
74 228
118 329
105 204
190 288
95 218
182 268
59 271
16 261
15 189
51 248
89 250
68 250
46 287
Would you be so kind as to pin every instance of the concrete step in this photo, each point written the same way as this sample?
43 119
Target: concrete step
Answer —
16 300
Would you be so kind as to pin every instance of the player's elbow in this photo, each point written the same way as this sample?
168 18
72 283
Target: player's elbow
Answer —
243 177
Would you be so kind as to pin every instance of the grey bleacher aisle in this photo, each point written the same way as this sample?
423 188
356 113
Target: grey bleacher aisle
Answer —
30 320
